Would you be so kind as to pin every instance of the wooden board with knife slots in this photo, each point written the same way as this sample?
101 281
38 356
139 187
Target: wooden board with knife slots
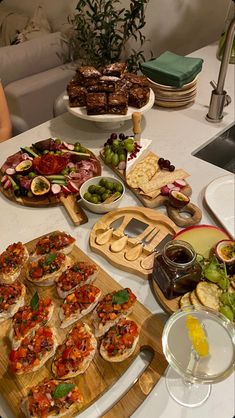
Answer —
100 375
153 218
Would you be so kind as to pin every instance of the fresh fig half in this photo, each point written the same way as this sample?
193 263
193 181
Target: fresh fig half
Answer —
225 251
178 199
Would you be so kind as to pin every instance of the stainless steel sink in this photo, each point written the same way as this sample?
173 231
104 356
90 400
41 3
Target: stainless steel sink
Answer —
219 151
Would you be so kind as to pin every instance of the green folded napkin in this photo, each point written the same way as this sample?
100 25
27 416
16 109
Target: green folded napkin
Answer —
172 69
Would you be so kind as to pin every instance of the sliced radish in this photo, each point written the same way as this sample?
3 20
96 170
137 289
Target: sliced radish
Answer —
10 171
165 191
176 189
26 156
65 190
72 186
7 184
74 175
122 165
55 188
180 183
4 179
68 146
170 186
70 165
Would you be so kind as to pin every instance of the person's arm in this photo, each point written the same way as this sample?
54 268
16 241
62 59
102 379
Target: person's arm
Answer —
5 121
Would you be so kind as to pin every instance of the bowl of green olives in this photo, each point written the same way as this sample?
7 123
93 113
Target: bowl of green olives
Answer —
95 192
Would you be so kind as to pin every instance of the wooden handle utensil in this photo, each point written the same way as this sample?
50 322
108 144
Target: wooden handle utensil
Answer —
119 245
75 212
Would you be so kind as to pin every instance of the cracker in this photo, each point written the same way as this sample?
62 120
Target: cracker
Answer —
143 171
185 301
194 299
162 178
208 294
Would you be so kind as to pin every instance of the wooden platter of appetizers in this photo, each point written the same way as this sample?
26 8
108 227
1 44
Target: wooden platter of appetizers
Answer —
100 375
129 253
49 173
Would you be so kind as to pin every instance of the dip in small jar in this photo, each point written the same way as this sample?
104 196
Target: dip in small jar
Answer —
176 270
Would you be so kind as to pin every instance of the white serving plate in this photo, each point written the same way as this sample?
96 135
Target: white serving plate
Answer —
81 112
220 197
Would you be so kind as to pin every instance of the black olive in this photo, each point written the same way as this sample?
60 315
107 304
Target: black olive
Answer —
17 193
23 191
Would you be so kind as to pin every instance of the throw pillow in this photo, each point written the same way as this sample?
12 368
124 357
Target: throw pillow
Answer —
36 27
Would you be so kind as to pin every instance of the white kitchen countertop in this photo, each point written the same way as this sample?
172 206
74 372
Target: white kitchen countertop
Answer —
175 135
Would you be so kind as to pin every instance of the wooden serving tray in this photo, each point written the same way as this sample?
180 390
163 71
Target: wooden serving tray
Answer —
149 216
70 203
100 375
148 202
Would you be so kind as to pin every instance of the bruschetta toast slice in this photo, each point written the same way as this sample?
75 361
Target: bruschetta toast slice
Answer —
113 307
44 270
34 351
78 274
12 261
74 356
11 299
52 398
29 318
78 304
120 341
54 242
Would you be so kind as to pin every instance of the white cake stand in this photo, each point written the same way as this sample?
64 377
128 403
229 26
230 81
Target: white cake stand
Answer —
107 121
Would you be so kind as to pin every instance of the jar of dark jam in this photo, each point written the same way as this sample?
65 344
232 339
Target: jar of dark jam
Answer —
176 270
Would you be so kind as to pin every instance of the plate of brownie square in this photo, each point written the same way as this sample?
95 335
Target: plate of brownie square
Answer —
109 95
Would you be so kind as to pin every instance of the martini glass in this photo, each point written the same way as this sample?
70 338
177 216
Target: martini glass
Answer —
189 376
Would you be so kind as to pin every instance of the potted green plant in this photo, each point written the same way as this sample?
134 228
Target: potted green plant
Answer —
105 32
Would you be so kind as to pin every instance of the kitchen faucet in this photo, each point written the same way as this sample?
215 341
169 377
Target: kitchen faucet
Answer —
219 95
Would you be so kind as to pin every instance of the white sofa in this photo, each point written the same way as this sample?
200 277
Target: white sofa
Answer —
34 73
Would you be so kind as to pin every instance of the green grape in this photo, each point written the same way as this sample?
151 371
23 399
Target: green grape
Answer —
115 159
58 141
83 149
227 311
122 156
223 283
31 175
115 145
77 148
108 158
129 147
65 171
45 151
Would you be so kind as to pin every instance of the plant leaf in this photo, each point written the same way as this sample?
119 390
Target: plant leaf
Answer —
120 297
49 259
34 303
62 390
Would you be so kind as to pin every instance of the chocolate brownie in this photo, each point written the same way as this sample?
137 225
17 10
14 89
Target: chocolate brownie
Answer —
96 103
117 103
117 69
77 95
137 80
87 75
106 84
123 86
138 96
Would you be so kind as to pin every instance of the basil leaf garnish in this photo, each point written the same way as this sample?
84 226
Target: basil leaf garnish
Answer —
49 259
1 299
34 303
62 389
120 297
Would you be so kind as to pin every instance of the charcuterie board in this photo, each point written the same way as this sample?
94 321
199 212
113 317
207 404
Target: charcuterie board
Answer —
66 197
100 375
156 221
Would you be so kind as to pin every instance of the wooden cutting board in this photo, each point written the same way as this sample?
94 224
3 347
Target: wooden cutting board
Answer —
161 222
70 203
146 201
100 375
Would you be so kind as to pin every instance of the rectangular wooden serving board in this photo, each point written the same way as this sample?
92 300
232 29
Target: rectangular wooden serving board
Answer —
100 375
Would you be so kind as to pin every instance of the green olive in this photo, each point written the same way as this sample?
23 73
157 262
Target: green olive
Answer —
94 199
119 188
102 182
31 175
87 196
110 185
101 190
58 141
92 188
105 196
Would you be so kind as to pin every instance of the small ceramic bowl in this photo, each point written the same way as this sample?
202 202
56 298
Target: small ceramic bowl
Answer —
100 207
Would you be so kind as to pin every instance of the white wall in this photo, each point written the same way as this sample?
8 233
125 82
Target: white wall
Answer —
180 26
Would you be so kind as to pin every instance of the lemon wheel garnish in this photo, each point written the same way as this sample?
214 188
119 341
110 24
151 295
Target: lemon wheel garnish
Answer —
197 336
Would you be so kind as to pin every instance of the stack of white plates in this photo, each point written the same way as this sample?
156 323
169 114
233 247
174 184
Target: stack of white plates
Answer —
168 96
